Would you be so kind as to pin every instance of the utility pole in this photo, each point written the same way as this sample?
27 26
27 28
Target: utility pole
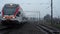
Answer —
51 11
38 17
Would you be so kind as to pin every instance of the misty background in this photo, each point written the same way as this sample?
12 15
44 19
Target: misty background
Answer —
35 8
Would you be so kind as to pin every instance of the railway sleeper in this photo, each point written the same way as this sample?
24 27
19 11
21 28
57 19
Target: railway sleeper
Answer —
49 31
54 29
50 27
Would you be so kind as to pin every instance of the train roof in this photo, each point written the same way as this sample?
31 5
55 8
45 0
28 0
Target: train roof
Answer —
11 5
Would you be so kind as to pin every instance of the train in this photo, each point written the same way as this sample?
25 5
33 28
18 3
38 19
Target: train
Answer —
11 14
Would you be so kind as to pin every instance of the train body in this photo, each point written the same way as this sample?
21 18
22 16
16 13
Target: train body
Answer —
12 12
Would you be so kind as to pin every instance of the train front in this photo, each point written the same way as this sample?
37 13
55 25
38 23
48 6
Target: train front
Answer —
11 12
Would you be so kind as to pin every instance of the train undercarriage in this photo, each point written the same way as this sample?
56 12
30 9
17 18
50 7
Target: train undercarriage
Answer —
10 23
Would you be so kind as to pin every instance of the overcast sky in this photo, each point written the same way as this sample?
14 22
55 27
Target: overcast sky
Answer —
35 6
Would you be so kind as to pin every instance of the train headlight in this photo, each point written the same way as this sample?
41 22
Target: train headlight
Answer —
3 17
13 17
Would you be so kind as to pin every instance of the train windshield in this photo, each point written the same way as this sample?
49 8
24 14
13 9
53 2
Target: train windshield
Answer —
9 10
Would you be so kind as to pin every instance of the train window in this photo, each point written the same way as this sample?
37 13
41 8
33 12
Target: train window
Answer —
9 11
18 14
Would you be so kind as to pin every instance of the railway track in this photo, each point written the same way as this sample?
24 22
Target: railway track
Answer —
47 29
44 28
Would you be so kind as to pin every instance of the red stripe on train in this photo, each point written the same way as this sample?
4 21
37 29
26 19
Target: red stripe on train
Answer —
16 11
2 12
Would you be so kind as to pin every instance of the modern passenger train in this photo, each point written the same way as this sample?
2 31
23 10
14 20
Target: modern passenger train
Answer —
12 12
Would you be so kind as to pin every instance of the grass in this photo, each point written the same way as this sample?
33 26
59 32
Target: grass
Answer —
53 25
57 26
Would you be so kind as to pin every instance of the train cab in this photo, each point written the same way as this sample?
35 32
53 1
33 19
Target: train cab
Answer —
12 12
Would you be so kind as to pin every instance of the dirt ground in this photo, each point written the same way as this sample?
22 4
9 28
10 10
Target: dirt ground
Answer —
22 29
